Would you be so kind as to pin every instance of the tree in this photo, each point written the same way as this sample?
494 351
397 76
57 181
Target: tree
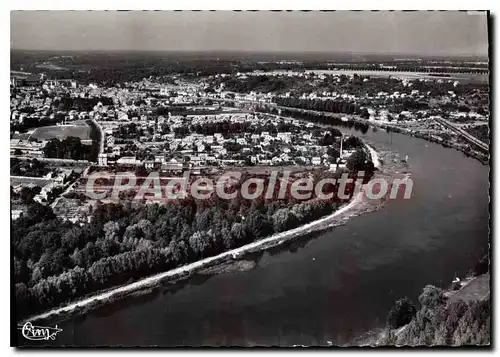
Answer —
482 266
283 220
357 161
431 297
401 313
332 152
38 213
22 298
365 114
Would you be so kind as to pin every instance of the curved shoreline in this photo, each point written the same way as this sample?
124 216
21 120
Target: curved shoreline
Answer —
484 159
374 155
268 242
190 268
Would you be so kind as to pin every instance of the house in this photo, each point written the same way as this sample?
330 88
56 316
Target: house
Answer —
209 139
128 160
216 148
316 161
122 116
286 137
16 213
194 160
172 165
149 164
102 160
159 158
110 140
63 176
200 148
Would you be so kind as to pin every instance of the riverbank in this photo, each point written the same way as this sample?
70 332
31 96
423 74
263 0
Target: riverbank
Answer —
483 158
189 269
375 157
181 273
471 289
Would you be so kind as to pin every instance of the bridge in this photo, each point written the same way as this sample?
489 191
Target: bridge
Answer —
462 132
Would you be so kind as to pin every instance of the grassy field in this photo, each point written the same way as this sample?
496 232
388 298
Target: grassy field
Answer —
61 132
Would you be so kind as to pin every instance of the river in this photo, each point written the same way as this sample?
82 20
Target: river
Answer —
340 284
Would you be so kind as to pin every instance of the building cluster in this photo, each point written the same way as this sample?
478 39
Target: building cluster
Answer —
264 142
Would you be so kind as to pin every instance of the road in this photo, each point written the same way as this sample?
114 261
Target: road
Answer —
68 189
462 132
477 289
101 135
26 180
50 160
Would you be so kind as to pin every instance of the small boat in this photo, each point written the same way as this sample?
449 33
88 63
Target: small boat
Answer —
405 159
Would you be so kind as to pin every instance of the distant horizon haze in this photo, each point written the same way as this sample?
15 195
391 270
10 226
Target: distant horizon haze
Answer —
416 33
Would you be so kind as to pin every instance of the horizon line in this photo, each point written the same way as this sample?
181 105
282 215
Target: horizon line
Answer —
326 52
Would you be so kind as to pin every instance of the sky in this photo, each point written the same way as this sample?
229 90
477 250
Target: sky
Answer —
430 33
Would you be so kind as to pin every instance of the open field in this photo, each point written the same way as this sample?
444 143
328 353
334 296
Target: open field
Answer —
61 132
26 180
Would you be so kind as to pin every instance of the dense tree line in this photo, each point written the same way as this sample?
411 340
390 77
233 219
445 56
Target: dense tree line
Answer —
56 261
332 106
87 104
33 167
69 148
227 127
318 118
25 195
439 322
223 127
405 67
260 84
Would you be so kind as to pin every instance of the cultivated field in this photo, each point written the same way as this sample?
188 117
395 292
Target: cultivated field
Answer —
61 132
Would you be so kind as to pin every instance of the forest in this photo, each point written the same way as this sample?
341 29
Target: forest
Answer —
332 106
439 322
57 261
68 148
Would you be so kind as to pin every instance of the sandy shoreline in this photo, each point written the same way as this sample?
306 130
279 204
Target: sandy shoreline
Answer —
273 240
374 154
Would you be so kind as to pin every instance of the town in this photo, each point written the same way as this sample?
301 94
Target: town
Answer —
252 119
250 178
72 136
